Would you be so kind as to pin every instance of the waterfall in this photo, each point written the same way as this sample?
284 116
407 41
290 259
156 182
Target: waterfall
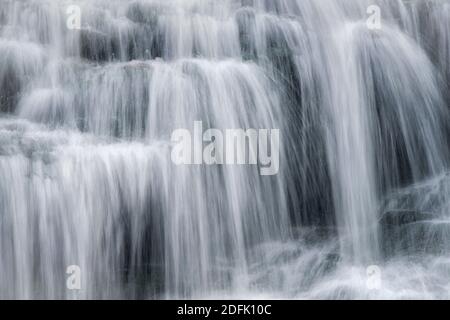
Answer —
86 177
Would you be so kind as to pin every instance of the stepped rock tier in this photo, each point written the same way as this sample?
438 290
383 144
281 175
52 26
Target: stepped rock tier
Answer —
86 179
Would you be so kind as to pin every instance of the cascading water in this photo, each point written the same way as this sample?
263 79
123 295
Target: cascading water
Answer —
86 177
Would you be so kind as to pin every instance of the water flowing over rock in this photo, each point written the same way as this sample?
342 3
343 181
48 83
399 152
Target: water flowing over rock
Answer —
86 177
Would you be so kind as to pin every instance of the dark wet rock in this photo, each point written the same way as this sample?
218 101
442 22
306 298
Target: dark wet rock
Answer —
10 86
2 17
411 232
98 46
144 42
416 218
19 63
138 45
245 19
146 13
147 40
430 196
402 217
314 235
